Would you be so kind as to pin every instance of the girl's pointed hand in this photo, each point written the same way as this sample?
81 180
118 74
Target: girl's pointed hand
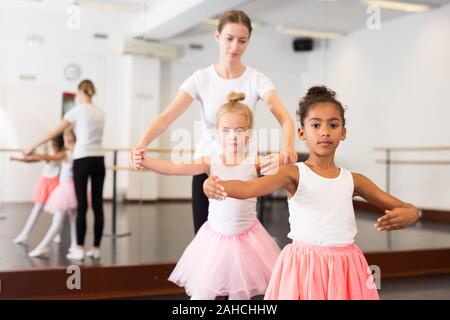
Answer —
396 219
213 189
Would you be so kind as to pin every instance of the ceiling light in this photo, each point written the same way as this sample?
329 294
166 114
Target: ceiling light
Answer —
308 33
397 5
110 6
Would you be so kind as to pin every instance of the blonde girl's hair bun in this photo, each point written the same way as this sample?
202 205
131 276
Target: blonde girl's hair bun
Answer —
235 106
234 97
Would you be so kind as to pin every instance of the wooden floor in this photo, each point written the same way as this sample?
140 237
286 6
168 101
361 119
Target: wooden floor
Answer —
161 231
435 287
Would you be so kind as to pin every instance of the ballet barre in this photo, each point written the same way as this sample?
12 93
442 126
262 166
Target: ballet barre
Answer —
115 168
389 161
432 162
388 158
301 157
6 150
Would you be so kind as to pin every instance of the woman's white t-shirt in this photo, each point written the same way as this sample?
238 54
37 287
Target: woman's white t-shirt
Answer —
211 90
88 121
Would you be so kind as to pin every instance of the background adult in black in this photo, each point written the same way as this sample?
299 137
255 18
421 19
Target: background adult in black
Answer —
88 122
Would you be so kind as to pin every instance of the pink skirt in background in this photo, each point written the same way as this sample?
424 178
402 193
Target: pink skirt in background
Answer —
44 188
219 265
308 272
63 198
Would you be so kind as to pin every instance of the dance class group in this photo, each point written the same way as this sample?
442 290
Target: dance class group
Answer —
232 254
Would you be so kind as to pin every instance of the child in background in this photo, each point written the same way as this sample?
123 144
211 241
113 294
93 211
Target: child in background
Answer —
47 183
62 201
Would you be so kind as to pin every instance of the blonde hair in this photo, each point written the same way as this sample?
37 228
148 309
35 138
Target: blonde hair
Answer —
88 88
234 106
235 16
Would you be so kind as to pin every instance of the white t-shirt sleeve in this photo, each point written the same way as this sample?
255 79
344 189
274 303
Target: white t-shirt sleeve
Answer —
264 85
71 115
190 85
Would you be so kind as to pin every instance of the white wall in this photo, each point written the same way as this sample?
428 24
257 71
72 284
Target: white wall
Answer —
144 87
395 82
28 109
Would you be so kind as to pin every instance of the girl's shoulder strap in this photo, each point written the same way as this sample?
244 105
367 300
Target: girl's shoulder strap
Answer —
348 176
301 166
302 171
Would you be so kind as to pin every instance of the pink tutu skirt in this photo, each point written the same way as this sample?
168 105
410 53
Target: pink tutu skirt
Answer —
308 272
44 188
63 198
219 265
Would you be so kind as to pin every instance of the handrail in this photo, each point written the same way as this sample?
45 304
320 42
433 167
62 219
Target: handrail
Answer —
159 150
150 150
419 162
388 161
115 168
413 149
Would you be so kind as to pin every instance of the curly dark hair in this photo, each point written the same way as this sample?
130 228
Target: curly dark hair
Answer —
316 95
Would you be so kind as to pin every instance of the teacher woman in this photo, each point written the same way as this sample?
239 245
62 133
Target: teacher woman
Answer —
210 86
88 122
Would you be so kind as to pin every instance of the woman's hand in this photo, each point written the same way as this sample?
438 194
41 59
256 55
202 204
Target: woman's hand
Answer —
271 162
397 218
288 155
213 189
137 156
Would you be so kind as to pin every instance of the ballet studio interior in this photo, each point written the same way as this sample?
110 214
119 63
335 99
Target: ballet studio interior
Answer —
205 149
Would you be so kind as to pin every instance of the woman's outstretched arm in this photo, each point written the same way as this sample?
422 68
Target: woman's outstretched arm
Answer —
159 125
279 111
49 135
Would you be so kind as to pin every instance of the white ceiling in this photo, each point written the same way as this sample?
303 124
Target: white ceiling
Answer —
322 15
337 15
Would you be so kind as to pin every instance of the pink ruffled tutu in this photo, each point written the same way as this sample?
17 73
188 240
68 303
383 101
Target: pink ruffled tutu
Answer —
219 265
308 272
63 198
44 188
